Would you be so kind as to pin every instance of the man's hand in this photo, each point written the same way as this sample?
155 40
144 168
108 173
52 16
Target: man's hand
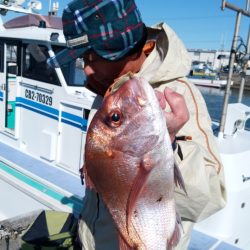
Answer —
178 115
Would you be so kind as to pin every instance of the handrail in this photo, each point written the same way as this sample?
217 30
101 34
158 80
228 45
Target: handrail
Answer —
225 4
30 86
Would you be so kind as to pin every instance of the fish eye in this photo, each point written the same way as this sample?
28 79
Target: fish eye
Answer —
115 118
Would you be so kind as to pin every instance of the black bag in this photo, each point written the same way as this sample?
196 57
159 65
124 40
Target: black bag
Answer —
51 230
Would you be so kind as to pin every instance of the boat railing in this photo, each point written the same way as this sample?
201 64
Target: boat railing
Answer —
236 119
225 112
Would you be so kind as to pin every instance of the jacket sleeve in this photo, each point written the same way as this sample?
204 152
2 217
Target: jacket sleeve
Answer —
201 165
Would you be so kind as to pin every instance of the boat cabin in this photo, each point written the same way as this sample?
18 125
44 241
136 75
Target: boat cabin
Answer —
43 111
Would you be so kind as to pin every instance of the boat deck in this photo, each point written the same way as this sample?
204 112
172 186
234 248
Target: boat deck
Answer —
64 187
8 209
51 186
201 241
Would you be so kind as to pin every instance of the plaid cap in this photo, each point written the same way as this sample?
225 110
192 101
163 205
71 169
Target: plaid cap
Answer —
110 27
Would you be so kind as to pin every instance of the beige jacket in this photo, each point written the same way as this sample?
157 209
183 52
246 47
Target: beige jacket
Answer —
167 65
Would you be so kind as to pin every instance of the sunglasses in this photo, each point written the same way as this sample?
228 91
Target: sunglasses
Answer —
89 57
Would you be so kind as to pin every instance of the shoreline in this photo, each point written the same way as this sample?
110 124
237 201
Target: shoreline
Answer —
237 80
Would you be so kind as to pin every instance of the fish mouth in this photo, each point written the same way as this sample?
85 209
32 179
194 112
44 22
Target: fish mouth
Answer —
118 83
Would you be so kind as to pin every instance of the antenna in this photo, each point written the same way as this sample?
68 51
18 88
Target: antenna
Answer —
55 7
240 12
222 44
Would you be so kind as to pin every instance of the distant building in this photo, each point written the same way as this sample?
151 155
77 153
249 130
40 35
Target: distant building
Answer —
216 59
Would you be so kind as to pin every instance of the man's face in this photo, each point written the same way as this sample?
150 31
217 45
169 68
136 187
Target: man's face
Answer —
101 73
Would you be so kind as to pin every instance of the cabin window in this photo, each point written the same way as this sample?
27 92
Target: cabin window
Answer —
35 64
73 72
11 55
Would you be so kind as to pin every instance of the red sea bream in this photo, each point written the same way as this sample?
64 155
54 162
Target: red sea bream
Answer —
129 161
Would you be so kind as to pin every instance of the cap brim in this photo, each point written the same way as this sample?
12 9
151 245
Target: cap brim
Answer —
66 56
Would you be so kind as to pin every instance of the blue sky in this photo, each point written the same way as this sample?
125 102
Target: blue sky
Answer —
200 24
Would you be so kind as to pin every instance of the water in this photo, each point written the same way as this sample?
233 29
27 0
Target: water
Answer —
214 99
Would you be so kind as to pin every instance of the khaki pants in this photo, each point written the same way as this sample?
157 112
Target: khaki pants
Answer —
186 235
97 229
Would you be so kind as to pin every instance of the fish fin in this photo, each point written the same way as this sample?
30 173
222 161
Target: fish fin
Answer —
178 219
88 181
81 171
136 189
175 237
123 244
178 179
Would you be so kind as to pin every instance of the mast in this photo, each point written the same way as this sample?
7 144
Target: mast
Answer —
53 8
240 12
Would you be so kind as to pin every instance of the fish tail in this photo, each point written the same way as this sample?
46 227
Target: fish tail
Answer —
88 181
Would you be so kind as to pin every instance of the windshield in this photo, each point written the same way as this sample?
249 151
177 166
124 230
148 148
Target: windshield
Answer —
35 64
73 72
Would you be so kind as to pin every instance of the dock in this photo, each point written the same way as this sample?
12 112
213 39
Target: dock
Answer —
237 80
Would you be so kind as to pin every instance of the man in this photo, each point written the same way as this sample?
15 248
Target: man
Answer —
112 40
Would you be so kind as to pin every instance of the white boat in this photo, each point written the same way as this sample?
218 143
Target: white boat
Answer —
206 82
203 75
43 117
228 228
